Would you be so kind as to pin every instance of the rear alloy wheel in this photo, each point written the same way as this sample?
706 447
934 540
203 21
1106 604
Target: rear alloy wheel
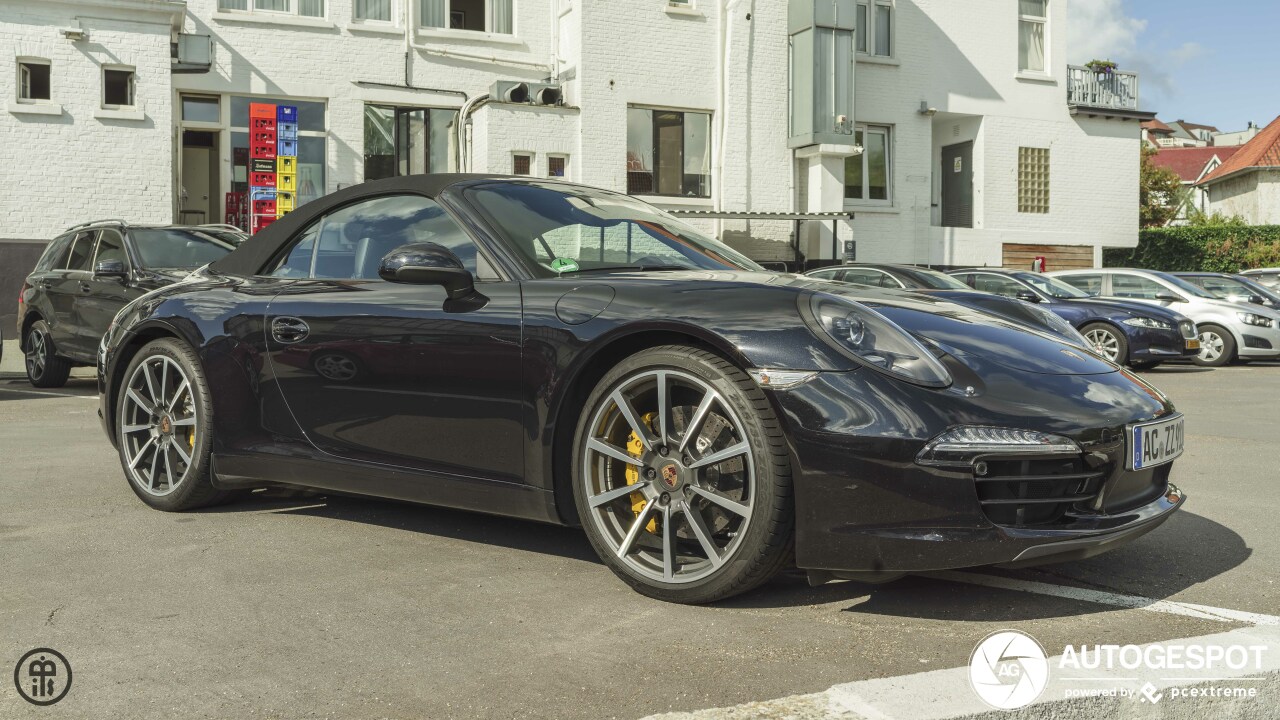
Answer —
1107 342
1217 347
682 479
163 428
44 368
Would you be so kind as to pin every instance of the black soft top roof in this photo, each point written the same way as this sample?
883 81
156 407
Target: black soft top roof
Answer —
252 254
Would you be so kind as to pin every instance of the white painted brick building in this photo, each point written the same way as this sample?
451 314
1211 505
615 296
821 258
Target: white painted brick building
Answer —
712 78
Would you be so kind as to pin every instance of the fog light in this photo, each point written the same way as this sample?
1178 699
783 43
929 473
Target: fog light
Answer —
962 445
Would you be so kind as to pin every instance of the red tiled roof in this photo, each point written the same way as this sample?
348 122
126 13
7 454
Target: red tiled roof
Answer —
1189 163
1262 151
1156 126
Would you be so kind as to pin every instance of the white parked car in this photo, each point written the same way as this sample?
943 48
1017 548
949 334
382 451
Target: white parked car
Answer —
1228 332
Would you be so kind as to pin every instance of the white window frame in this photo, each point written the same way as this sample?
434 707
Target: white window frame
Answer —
1044 25
867 129
390 23
563 157
133 87
533 162
488 22
251 8
869 8
20 70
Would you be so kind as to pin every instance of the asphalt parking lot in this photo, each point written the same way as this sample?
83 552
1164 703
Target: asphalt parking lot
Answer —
298 607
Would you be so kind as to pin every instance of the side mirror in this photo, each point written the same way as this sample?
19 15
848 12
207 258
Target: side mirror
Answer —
1028 296
111 269
1168 297
427 264
1257 300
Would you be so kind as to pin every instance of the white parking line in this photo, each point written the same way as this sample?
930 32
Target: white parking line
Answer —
1099 597
22 391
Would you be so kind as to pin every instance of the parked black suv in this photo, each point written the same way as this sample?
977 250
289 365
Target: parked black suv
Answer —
91 271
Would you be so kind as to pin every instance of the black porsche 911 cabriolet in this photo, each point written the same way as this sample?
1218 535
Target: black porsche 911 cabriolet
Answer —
542 350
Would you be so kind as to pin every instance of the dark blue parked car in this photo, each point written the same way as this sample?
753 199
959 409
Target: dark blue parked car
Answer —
1139 335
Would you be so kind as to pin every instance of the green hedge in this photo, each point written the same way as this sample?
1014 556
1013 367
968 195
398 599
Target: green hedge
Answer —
1211 248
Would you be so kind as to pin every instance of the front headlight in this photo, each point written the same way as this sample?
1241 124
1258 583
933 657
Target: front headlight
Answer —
1147 322
1255 320
871 338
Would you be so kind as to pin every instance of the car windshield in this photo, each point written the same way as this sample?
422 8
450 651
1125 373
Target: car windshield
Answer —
178 248
1185 286
935 280
1050 286
562 230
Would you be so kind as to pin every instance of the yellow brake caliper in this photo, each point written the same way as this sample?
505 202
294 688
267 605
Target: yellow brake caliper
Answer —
636 449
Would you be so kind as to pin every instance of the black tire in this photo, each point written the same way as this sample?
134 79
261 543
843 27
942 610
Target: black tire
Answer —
1145 364
1112 337
767 544
1225 356
194 488
45 369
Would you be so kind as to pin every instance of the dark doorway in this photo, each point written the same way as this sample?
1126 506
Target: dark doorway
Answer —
957 185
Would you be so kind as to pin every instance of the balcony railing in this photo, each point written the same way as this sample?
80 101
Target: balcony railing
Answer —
1113 91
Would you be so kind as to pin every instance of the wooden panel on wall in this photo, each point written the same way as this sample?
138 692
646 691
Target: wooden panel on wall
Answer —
1057 257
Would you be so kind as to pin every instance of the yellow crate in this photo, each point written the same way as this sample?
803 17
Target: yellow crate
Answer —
286 164
284 202
287 182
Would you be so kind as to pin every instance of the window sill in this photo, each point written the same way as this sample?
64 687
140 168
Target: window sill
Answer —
1042 78
35 108
267 19
472 35
685 11
879 60
374 28
119 114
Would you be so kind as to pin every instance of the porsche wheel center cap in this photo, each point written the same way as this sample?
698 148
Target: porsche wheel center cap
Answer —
166 426
669 476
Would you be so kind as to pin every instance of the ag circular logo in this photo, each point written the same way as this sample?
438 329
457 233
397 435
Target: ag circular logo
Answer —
43 676
1008 670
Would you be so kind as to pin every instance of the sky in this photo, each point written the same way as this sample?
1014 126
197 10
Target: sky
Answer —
1204 61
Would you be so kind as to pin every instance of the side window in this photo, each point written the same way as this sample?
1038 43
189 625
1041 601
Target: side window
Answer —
110 247
81 257
966 279
997 285
349 243
870 278
54 254
1090 284
1132 286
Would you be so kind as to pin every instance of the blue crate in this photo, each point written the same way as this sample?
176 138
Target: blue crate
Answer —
262 193
287 113
291 135
289 126
287 147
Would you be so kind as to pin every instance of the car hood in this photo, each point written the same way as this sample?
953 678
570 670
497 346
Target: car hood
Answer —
1114 305
973 337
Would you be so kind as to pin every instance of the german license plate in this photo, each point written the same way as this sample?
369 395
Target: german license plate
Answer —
1193 344
1155 443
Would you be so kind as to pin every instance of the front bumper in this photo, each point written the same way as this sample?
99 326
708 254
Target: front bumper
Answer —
1258 342
863 505
1151 344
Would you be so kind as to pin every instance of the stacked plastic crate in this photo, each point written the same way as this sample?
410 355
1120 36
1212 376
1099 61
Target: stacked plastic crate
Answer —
263 146
286 159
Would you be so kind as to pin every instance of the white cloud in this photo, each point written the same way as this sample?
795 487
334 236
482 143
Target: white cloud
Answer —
1100 30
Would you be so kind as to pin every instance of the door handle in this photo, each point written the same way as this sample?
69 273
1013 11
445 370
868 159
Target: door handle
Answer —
85 287
46 284
289 330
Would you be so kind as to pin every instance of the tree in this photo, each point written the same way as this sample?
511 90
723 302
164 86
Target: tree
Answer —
1160 192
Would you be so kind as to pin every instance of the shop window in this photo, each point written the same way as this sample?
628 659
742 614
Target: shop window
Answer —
557 166
118 85
875 27
522 164
34 80
668 153
303 8
867 176
407 141
494 16
312 144
1033 180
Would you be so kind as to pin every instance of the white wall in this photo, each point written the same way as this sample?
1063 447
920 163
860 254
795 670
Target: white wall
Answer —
1254 196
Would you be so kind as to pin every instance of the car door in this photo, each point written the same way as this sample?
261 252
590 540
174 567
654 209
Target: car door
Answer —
397 373
1141 289
63 288
101 298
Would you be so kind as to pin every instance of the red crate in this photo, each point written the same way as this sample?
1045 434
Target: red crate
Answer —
260 222
262 123
263 137
262 180
262 110
264 207
263 151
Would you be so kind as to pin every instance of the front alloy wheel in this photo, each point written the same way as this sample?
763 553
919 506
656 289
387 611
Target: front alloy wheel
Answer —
682 483
1107 342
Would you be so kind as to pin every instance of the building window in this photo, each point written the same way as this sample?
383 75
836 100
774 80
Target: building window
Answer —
522 164
406 141
494 16
1033 180
867 176
34 80
305 8
557 165
118 87
1033 19
373 10
668 153
875 27
201 109
312 144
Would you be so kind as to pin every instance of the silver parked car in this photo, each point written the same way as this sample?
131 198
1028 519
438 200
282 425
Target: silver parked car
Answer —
1228 332
1236 288
1270 277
